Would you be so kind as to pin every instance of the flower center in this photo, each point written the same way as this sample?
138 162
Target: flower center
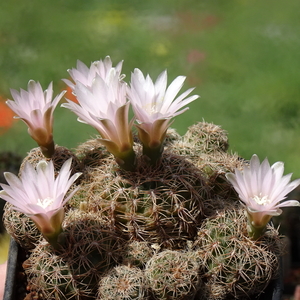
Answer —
45 203
262 200
153 107
150 108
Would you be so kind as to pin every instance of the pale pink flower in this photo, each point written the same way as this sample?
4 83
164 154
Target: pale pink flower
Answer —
86 75
39 195
155 105
36 108
263 189
104 106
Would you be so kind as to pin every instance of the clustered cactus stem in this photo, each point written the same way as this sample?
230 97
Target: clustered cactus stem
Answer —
158 216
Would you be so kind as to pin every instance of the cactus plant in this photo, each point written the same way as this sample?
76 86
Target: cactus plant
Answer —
233 265
21 227
173 275
137 253
49 275
124 283
162 204
88 249
152 216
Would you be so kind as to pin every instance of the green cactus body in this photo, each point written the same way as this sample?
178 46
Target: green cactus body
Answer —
232 264
90 247
21 227
200 138
206 137
162 204
137 253
49 275
173 275
205 145
123 283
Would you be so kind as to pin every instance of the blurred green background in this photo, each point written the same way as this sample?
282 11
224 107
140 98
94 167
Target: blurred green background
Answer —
241 55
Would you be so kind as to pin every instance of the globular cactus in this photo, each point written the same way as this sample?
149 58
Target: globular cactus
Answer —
214 167
205 145
206 138
21 227
160 204
49 275
233 265
154 215
88 249
123 283
173 275
137 253
200 138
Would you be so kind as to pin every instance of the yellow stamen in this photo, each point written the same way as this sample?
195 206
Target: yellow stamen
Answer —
261 200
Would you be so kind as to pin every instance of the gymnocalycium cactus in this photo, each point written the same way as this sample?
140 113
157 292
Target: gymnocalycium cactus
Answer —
152 215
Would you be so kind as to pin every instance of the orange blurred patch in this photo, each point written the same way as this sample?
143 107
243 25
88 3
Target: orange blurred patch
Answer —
69 95
6 116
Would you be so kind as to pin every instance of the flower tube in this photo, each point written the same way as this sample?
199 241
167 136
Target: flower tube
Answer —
262 190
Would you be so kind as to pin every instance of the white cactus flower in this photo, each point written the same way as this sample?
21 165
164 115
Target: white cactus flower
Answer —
263 189
36 108
155 105
39 195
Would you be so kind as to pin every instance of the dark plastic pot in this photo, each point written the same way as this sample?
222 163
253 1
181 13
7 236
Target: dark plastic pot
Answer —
16 256
12 263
